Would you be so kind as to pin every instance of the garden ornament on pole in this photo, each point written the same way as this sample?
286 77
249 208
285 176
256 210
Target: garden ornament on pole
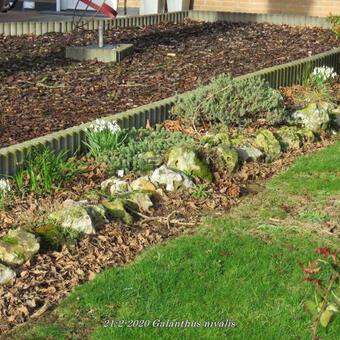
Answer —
106 7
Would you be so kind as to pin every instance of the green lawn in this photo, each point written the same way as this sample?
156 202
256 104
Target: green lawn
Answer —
242 267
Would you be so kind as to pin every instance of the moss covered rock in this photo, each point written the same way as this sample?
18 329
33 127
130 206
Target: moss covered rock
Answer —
249 153
215 139
289 138
79 216
117 209
185 158
114 185
229 156
141 199
17 247
315 116
266 142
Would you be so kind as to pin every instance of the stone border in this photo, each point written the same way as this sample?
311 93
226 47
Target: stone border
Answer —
278 19
71 139
66 26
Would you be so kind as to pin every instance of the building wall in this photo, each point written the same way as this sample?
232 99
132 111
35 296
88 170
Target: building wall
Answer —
321 8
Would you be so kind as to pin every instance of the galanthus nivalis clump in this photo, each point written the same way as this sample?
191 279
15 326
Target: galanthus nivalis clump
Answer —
324 73
5 187
104 125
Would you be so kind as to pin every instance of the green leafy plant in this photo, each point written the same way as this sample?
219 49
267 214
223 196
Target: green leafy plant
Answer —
335 22
325 306
231 102
142 149
45 171
200 191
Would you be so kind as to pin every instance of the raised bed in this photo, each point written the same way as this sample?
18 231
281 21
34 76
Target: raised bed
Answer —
71 139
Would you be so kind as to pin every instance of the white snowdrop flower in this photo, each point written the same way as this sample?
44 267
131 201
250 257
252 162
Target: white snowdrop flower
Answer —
120 173
324 73
4 186
103 125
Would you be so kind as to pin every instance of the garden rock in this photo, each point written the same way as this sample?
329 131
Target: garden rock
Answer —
80 216
171 179
143 184
6 274
266 142
215 139
185 159
336 118
17 247
315 116
143 200
289 138
114 185
116 209
249 153
229 157
151 158
306 135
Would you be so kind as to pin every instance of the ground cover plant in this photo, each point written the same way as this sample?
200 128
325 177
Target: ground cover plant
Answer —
247 267
133 188
33 69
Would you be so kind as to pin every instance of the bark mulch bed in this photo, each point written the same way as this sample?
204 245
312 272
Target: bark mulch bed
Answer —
45 279
41 91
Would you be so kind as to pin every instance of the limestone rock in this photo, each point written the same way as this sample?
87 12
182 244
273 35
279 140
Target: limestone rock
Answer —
143 200
114 185
17 247
249 153
266 142
80 216
289 138
229 157
185 159
143 184
171 179
314 117
6 274
116 209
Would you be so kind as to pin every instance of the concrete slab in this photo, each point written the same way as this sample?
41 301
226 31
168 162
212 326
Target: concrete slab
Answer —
106 54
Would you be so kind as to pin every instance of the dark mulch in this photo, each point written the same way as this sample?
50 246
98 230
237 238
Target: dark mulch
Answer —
41 91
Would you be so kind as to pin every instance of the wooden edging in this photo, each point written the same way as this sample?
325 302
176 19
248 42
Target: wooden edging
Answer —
71 140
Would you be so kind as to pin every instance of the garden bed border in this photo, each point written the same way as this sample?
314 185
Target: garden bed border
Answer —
71 139
66 26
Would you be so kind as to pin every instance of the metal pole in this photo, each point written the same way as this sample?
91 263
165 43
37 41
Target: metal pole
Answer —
100 35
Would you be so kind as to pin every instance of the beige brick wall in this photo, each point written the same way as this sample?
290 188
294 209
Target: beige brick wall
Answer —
321 8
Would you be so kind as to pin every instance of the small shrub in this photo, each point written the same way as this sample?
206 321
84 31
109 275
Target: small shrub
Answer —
335 22
44 171
200 191
137 150
144 149
231 103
